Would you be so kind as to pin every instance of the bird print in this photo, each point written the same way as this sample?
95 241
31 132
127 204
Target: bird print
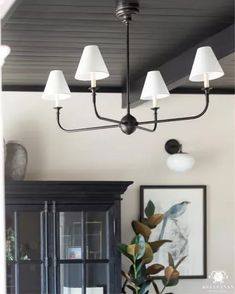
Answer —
172 213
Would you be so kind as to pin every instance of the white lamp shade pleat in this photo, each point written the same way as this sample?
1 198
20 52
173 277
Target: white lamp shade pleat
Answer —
91 65
56 87
205 62
4 52
180 162
154 86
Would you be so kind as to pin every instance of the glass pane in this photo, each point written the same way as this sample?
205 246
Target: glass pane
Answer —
70 235
10 236
97 277
29 234
96 235
11 279
29 278
71 278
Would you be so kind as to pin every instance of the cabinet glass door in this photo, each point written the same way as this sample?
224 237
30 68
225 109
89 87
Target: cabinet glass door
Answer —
71 252
70 233
83 255
97 255
25 250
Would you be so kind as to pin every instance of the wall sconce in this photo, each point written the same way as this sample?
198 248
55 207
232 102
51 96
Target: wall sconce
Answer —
178 160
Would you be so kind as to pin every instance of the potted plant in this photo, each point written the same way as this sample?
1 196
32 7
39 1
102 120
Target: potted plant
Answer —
140 253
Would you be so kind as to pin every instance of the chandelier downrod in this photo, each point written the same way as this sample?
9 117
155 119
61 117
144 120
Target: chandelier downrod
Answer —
128 65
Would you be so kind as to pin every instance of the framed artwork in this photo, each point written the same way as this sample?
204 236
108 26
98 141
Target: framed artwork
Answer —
184 223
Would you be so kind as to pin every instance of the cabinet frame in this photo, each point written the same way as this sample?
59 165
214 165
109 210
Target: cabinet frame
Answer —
56 196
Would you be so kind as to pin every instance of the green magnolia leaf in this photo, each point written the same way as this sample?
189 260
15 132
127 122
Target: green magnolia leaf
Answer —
148 254
168 272
139 265
171 283
140 228
171 260
144 287
137 277
140 241
154 269
180 261
155 220
157 244
150 209
132 272
123 249
141 276
131 249
171 277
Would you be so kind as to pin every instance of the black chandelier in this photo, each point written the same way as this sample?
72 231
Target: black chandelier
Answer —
92 67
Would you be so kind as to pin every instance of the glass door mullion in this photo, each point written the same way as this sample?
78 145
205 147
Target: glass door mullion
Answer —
54 245
16 252
44 248
84 251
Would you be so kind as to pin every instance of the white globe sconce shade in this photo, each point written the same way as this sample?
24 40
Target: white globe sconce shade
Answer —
178 161
56 87
205 64
91 65
154 86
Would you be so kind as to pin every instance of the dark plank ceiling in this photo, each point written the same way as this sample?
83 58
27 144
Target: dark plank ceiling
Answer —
50 34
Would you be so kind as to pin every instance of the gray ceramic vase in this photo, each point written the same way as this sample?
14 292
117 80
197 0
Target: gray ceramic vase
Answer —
16 161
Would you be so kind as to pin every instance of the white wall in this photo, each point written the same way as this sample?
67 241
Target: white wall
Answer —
111 155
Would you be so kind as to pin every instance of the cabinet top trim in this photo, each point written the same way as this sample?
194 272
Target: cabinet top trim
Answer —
25 188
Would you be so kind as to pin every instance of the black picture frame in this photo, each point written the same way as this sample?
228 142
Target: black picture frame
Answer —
204 273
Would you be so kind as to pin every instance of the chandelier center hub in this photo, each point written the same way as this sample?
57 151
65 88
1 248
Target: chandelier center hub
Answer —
128 124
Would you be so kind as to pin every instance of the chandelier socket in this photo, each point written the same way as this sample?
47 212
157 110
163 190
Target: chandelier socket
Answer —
155 108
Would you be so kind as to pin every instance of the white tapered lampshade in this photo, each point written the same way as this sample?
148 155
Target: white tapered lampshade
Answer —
154 86
56 87
91 65
205 62
4 52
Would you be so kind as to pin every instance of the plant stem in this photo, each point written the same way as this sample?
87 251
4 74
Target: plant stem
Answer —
163 290
135 274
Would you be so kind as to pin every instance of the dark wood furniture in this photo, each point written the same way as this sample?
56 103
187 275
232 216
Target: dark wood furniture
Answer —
62 237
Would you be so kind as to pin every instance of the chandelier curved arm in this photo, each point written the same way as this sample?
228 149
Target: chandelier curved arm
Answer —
80 129
148 130
207 92
155 109
155 121
93 90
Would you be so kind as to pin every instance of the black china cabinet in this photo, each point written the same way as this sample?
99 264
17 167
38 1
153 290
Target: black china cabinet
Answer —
62 237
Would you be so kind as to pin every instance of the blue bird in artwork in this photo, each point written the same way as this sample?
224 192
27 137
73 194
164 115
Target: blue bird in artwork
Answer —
172 213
